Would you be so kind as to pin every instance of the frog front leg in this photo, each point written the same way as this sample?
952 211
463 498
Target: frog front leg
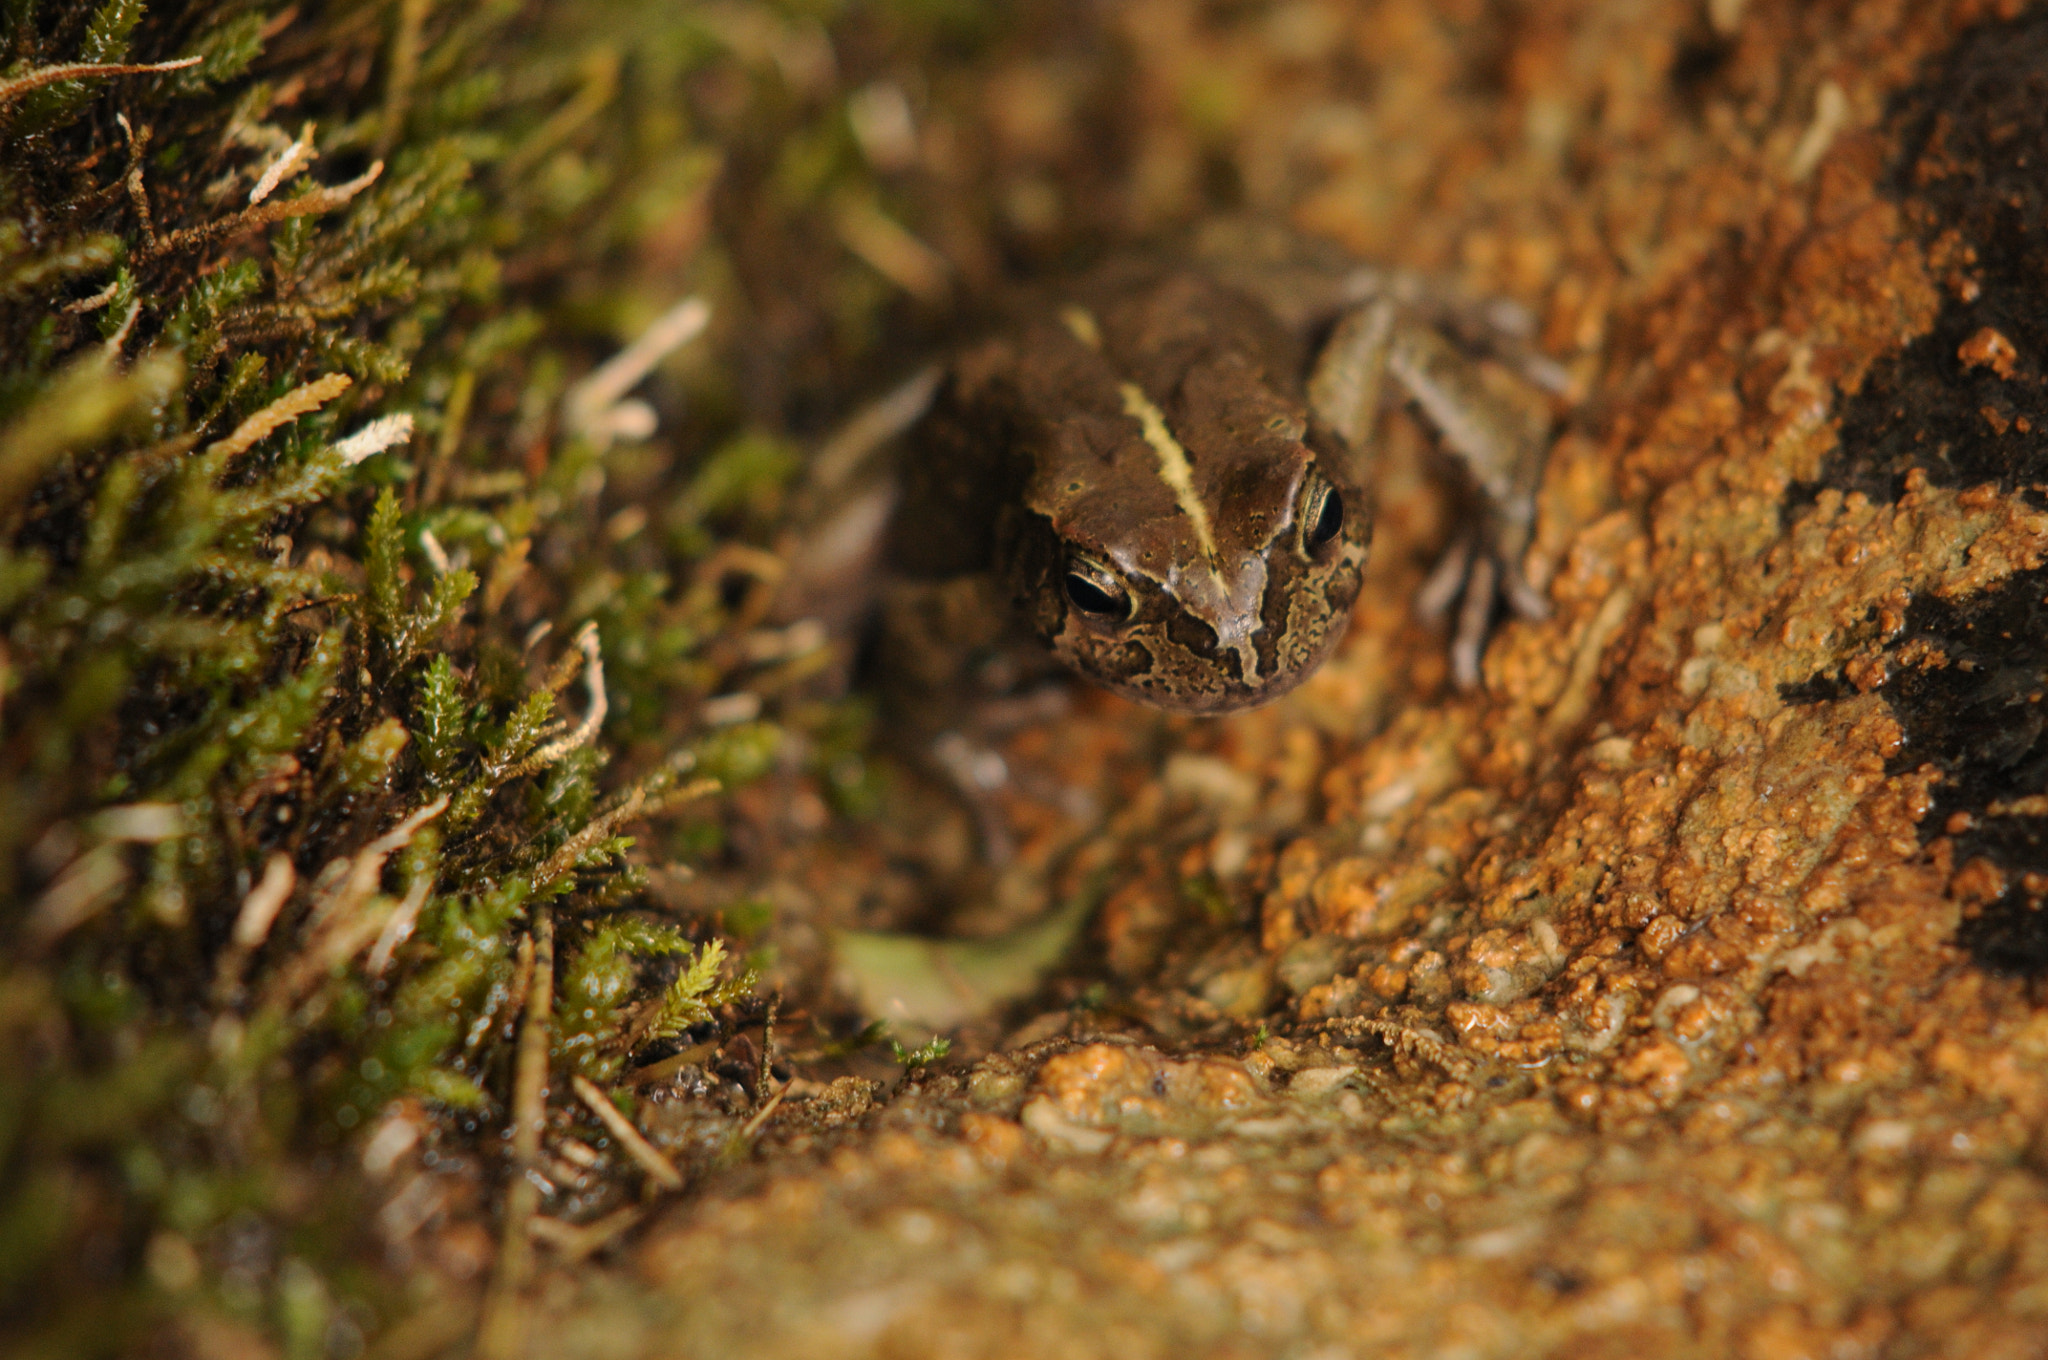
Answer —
1498 447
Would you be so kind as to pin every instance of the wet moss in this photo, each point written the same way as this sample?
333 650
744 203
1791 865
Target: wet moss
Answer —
339 668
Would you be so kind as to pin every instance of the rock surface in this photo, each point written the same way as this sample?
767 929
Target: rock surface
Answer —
1673 995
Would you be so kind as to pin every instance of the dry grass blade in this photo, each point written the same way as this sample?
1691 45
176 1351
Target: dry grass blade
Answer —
93 880
87 886
669 1068
874 425
368 865
657 1166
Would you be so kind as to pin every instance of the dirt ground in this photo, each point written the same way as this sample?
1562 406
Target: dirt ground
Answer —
1673 995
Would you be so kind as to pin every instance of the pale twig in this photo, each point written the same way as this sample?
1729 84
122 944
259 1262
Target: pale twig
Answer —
368 865
289 162
728 710
400 927
437 556
512 1003
92 880
670 1067
593 718
883 124
265 900
95 302
1830 115
1726 16
529 1088
762 1115
767 1072
567 666
14 89
313 203
400 1131
305 398
588 407
85 887
119 338
380 434
657 1166
346 597
144 822
339 926
138 193
892 250
577 1242
596 829
502 1333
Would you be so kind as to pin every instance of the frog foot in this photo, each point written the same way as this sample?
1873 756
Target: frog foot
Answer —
1475 576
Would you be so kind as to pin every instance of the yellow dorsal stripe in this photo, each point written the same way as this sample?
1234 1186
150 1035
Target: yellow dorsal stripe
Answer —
1174 468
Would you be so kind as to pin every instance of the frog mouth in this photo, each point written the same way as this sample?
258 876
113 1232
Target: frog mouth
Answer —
1231 606
1234 697
1228 694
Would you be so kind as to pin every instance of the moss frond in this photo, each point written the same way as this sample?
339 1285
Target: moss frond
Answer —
699 990
331 654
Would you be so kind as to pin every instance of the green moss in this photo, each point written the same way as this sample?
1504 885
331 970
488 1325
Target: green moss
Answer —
297 551
924 1055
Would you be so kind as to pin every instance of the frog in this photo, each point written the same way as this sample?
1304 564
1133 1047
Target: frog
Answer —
1159 472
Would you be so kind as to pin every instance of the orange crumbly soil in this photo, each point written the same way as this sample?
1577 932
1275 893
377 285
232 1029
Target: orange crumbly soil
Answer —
1617 1009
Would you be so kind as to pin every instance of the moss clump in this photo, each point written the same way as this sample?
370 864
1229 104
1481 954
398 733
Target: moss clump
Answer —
340 657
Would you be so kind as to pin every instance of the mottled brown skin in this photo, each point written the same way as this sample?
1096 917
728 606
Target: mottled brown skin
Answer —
1033 468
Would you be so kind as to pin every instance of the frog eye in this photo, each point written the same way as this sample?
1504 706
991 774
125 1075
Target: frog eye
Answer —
1322 515
1095 590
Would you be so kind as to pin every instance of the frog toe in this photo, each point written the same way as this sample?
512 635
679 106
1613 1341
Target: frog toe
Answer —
1475 580
1446 580
1475 621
